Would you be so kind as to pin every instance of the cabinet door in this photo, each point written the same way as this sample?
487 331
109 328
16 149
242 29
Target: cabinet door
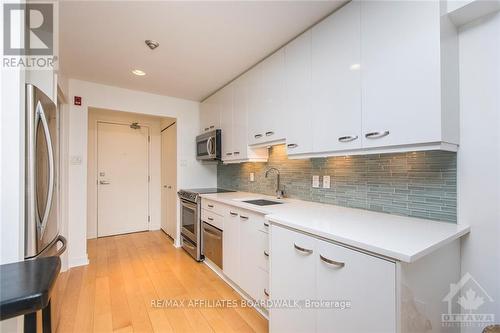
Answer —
293 276
240 127
336 82
367 282
273 96
298 95
231 245
256 116
400 42
225 98
249 252
209 114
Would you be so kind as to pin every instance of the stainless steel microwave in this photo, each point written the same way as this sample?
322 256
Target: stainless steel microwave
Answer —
208 146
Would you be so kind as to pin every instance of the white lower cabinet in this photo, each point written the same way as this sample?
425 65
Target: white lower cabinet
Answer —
304 268
244 251
367 282
292 278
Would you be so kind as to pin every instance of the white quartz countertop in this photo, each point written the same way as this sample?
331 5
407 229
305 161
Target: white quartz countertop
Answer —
402 238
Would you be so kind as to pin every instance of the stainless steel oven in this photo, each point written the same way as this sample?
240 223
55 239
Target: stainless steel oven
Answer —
209 146
190 228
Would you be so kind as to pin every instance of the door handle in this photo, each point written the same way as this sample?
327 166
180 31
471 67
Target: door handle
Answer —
104 182
41 116
348 138
376 135
332 262
302 250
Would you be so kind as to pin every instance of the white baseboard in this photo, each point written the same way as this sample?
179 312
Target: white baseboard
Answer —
79 261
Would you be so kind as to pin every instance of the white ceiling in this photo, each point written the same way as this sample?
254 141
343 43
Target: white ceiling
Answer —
203 44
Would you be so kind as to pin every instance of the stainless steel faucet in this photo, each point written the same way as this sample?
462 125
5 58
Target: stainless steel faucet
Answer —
279 191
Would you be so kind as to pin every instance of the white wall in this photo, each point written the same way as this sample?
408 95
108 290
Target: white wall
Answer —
479 155
154 125
190 173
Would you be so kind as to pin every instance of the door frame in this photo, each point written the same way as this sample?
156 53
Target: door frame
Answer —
96 158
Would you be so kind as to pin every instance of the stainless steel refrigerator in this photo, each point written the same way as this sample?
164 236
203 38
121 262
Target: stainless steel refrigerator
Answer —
42 155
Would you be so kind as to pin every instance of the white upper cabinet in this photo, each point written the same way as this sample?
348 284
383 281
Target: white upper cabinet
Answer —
336 81
266 100
409 74
298 117
225 103
209 114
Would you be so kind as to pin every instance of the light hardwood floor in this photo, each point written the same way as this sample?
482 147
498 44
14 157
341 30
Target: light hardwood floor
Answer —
114 292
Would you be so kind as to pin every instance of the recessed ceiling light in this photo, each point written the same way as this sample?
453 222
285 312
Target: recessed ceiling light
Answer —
138 72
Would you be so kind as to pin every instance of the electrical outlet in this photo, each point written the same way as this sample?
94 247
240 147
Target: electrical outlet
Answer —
315 181
252 176
326 181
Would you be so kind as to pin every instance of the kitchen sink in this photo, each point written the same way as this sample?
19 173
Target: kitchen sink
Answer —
262 202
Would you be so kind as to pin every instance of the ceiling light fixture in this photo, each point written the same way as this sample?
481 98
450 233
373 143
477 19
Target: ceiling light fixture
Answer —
152 44
138 72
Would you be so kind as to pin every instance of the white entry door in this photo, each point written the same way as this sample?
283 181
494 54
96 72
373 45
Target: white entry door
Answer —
123 179
169 180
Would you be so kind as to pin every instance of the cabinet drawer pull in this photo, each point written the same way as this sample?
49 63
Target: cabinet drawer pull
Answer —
212 126
266 253
376 135
210 218
244 217
206 128
229 154
257 136
266 224
210 206
348 138
301 249
236 153
233 213
269 133
266 292
292 145
332 262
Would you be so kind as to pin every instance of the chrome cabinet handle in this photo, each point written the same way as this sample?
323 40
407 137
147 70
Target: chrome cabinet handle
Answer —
210 218
206 128
348 138
266 253
266 292
210 206
269 133
301 249
376 135
233 213
257 136
292 145
244 217
229 154
104 182
236 153
332 262
212 126
266 224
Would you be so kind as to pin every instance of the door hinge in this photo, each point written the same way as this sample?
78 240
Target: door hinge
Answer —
149 138
149 178
149 218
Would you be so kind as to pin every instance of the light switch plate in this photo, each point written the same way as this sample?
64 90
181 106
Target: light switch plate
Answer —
326 181
315 181
252 176
76 160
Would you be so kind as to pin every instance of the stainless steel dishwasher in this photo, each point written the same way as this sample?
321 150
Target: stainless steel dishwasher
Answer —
212 243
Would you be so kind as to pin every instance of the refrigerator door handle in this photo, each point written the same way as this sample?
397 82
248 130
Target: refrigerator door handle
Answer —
40 116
